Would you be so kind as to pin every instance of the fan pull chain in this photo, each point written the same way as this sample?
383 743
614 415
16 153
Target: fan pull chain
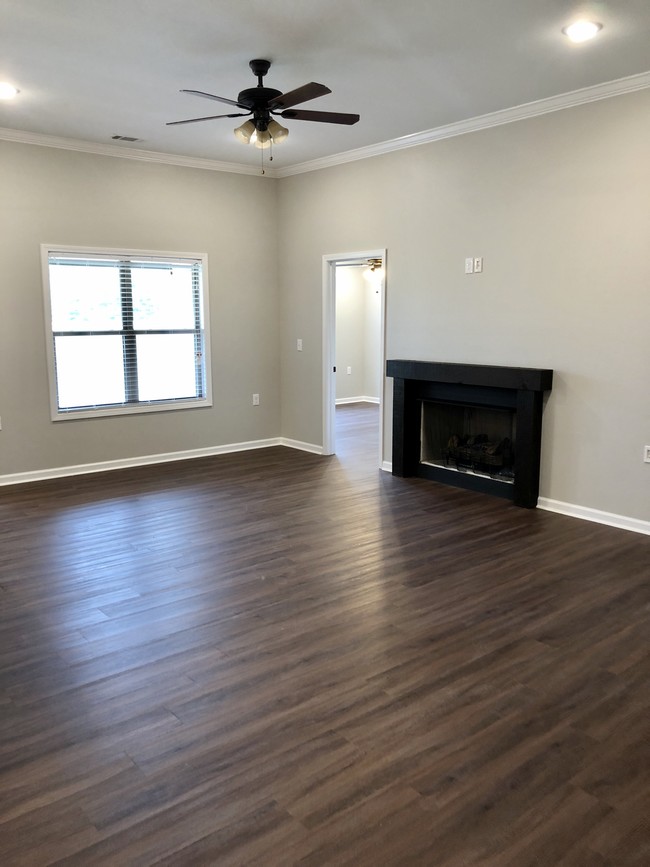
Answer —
270 155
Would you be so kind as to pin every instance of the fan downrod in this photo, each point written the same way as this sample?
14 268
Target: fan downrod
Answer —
256 98
260 68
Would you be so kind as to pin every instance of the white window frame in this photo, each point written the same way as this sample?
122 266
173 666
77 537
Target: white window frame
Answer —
124 409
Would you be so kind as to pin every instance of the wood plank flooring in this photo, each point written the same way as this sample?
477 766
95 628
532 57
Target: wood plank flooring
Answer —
274 658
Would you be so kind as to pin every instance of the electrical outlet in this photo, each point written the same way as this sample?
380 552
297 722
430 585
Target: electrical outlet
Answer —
646 454
256 400
469 265
299 344
349 370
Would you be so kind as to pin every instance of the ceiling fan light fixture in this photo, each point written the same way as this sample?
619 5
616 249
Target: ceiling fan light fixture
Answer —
582 31
262 139
245 132
279 133
260 102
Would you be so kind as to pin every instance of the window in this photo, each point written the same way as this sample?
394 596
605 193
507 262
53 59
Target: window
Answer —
126 331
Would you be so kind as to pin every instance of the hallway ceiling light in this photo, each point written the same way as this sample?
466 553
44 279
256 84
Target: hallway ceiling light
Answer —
581 31
374 273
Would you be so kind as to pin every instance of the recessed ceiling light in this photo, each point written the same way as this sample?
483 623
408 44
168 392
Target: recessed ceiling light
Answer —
581 31
7 91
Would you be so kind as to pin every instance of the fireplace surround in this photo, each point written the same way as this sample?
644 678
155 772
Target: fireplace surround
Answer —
470 425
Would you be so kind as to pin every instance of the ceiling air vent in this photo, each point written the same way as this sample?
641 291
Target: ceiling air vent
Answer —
125 138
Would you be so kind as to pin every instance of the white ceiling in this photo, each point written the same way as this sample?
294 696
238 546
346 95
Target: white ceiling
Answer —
91 69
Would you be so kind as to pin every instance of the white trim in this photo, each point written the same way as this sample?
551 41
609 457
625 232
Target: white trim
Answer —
328 325
595 515
618 87
122 409
582 512
147 460
108 150
474 124
112 252
363 398
141 461
300 446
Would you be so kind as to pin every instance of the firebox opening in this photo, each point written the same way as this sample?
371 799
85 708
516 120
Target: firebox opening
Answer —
469 439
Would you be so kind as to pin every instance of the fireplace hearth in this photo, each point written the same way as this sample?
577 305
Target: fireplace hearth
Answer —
472 426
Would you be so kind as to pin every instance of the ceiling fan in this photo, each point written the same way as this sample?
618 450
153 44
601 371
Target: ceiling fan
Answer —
264 102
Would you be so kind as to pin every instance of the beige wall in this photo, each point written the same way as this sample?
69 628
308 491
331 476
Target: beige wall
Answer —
559 207
63 197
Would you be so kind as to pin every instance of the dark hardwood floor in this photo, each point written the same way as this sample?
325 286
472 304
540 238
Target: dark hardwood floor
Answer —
273 658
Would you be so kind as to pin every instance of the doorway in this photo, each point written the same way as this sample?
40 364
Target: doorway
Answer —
334 265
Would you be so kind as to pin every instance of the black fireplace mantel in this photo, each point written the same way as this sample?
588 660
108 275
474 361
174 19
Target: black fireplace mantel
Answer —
520 389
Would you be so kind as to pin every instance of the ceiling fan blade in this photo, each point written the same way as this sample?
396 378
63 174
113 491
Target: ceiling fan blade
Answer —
212 117
320 116
212 96
300 94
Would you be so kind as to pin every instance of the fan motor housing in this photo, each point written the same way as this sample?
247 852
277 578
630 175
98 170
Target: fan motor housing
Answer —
257 97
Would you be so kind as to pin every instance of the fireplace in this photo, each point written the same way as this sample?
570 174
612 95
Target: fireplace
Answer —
467 438
472 426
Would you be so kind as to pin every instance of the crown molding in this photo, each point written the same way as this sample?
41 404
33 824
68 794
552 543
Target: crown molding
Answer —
497 118
486 121
108 150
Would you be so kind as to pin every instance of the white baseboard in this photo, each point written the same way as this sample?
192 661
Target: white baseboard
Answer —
595 515
583 512
363 398
141 461
302 447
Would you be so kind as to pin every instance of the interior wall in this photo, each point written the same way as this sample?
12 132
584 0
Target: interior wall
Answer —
350 332
558 208
65 197
357 335
372 341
